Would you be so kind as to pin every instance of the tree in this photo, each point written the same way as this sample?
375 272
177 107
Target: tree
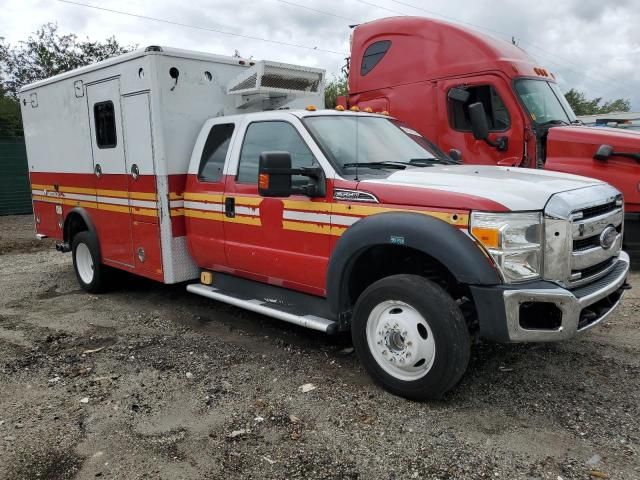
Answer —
10 118
582 106
44 54
335 88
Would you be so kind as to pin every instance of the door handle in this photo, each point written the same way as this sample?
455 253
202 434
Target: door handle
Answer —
135 171
98 170
230 207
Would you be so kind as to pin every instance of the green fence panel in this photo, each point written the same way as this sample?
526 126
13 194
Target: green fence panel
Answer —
15 192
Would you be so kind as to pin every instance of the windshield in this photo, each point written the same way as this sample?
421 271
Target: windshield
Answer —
544 101
354 141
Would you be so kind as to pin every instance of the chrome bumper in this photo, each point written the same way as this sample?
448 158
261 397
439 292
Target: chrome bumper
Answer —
572 304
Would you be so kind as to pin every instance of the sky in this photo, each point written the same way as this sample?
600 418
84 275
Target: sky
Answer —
591 45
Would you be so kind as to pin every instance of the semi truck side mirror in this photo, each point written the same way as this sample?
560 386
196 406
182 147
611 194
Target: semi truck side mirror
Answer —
603 153
480 127
275 172
458 95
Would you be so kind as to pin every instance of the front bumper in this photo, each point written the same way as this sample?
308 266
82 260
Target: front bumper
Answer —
545 312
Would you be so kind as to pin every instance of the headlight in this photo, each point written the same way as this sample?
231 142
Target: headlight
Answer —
514 241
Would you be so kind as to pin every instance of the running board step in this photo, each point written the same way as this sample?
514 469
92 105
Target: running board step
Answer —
270 309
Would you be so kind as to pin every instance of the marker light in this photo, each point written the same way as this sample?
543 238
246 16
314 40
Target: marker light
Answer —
263 181
311 108
340 108
355 108
368 110
384 112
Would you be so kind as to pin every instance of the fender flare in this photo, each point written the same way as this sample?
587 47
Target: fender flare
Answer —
445 243
88 222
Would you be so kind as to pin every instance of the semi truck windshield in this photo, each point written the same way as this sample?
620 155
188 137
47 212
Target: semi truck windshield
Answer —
544 101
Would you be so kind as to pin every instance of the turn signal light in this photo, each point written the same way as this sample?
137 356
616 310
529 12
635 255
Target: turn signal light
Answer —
489 237
263 181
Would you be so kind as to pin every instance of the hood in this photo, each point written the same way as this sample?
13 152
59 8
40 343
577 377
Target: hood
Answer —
514 188
571 149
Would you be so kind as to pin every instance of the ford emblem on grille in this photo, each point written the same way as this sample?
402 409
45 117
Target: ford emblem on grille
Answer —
608 237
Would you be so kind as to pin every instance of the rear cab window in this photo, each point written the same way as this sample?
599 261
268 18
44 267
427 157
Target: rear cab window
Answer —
214 152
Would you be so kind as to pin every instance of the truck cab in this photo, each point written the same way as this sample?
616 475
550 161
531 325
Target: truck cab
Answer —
345 221
429 73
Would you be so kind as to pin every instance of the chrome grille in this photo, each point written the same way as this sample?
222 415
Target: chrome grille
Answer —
575 253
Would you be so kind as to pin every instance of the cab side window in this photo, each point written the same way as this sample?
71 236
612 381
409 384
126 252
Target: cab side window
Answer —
269 136
495 109
214 152
373 54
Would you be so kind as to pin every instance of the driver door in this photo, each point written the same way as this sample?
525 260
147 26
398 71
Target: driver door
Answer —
503 116
282 241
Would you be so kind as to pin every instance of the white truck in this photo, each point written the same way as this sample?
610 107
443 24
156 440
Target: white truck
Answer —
181 166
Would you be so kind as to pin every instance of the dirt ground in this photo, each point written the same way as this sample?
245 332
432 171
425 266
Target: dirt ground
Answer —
150 381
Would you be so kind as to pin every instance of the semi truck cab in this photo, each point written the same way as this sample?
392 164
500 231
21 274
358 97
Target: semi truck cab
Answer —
486 101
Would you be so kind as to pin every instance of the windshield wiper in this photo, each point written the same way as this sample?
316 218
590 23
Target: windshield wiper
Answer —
553 122
414 162
427 162
398 165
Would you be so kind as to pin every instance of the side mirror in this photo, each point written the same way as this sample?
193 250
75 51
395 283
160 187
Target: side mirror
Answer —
480 128
458 94
603 153
275 172
479 125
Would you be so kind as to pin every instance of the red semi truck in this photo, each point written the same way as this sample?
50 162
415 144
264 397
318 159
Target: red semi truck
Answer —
486 101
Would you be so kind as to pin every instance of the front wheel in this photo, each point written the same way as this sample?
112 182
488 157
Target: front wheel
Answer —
411 336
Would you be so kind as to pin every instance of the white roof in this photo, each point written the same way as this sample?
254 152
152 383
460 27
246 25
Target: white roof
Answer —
151 50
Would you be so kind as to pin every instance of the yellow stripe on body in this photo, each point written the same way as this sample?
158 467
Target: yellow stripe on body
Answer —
220 217
204 215
42 198
203 197
177 212
100 192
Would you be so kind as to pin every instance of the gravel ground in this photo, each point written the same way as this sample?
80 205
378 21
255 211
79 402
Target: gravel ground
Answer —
152 382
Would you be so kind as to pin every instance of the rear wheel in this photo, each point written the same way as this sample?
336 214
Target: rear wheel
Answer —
91 274
411 336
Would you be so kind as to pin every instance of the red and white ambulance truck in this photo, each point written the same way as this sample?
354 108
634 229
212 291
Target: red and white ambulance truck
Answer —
181 166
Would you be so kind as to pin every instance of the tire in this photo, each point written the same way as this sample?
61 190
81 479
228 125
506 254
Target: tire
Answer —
411 337
90 273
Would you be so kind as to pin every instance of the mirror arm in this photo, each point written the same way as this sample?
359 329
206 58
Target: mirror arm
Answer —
501 143
633 156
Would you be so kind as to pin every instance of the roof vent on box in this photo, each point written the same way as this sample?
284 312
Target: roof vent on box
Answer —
275 82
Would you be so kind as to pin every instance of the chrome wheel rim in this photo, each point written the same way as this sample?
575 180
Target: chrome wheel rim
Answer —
84 263
400 340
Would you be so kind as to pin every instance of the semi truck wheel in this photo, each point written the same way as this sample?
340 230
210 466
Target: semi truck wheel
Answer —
91 274
411 336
